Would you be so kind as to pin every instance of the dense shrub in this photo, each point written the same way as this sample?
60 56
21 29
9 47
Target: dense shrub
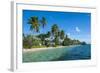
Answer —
29 42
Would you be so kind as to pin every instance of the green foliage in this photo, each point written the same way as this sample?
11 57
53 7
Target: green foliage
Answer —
34 23
27 42
76 42
62 34
48 34
56 40
44 40
47 43
36 42
43 21
42 37
83 43
67 41
55 30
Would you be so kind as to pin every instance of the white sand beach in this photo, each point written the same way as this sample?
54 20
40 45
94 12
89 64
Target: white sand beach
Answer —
38 49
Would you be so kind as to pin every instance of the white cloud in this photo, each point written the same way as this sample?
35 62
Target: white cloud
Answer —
77 29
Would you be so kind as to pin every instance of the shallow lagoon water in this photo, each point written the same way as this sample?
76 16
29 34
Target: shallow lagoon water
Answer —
80 52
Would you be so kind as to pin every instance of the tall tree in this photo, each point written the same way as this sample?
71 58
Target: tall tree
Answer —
43 22
66 41
34 23
62 34
55 30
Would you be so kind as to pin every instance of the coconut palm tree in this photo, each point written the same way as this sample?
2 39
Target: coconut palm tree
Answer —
43 22
55 34
55 30
34 23
62 34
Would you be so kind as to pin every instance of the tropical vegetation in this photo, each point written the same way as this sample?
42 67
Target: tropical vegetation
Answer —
53 38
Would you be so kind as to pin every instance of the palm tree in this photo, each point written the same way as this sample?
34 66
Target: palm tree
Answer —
48 34
66 41
34 23
62 34
55 30
55 34
43 21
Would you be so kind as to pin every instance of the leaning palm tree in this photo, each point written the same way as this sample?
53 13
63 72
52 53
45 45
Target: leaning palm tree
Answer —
43 22
34 23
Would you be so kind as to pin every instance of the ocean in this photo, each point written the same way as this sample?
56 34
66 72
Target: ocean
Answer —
78 52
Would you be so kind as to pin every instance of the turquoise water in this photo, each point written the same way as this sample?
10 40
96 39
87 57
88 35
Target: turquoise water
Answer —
81 52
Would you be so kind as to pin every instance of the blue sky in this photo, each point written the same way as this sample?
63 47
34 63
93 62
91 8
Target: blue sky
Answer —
76 25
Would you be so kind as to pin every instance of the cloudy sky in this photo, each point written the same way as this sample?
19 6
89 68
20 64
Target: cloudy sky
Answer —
76 25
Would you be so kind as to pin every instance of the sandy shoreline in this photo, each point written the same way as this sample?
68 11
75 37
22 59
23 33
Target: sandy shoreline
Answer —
38 49
35 49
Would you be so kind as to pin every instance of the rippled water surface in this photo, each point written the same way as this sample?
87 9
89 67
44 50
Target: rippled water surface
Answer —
80 52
